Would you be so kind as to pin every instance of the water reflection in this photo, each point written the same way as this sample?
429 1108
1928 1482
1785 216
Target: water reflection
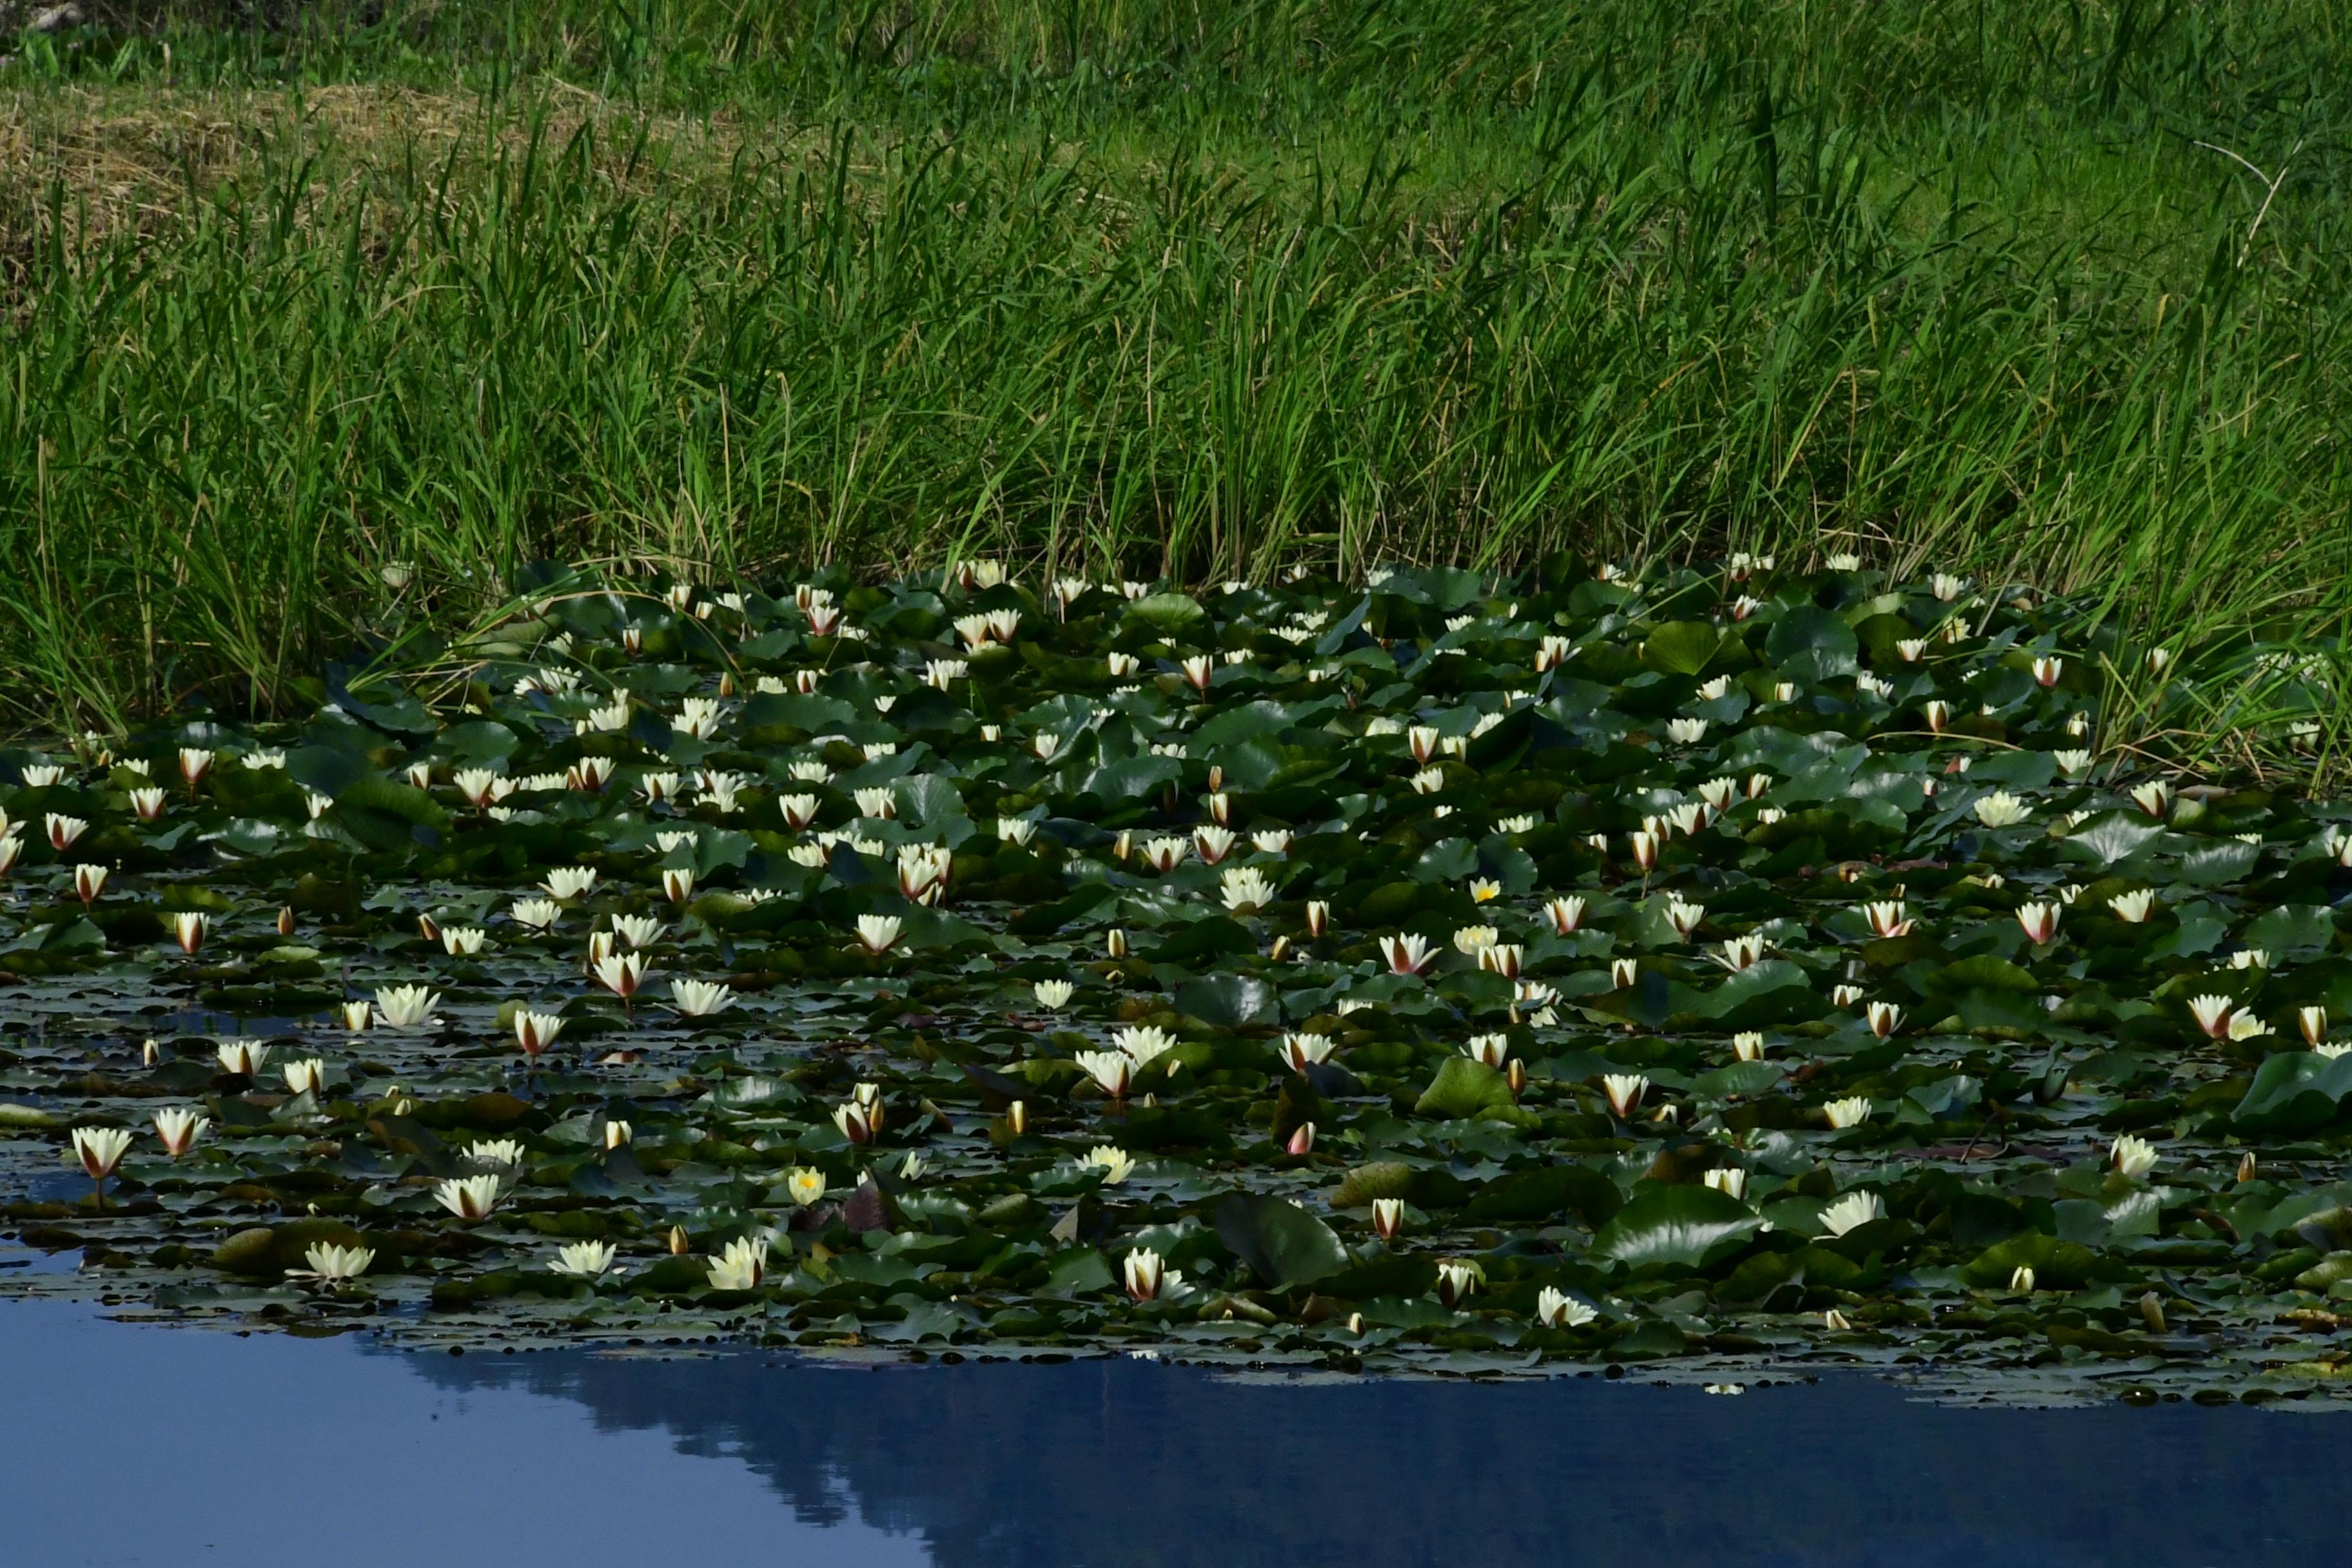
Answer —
124 1444
1126 1462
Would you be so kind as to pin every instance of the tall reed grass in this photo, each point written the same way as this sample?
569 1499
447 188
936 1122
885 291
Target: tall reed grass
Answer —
299 311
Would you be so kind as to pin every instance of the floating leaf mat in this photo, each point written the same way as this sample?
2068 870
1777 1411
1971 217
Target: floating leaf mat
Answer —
1723 970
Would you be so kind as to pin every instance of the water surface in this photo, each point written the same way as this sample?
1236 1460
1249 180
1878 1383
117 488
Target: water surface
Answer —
138 1444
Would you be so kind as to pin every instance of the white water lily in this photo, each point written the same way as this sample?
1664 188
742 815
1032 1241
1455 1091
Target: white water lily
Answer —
1852 1211
1747 1045
534 1032
244 1056
536 914
2000 809
1301 1050
1146 1275
566 883
2133 908
1488 1049
1246 890
505 1152
1053 994
1408 953
1143 1043
1213 843
1852 1111
331 1263
1115 1162
1884 1018
99 1149
741 1267
180 1127
1111 1070
879 933
701 998
306 1075
467 1197
2132 1157
622 974
2212 1014
1456 1281
1555 1310
407 1007
804 1185
1624 1090
1727 1179
589 1260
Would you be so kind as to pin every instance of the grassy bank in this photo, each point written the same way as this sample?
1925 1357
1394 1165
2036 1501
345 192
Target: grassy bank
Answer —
1157 287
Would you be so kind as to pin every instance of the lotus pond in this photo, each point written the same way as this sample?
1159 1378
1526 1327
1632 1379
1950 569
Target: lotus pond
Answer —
1741 972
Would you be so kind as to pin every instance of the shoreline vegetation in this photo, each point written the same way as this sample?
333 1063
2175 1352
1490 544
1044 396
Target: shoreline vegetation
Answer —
325 323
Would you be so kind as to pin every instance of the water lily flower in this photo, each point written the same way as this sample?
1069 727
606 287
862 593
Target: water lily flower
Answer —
2135 906
2251 958
804 1185
99 1149
244 1056
1683 917
1844 995
1318 916
2152 797
1490 1050
1741 952
590 1260
148 802
1884 1017
1213 843
1503 958
2021 1279
1456 1282
1270 840
195 762
407 1007
701 998
1053 994
1566 914
1852 1211
1938 712
63 830
1147 1275
1111 1070
879 934
12 846
88 882
504 1153
1164 855
1886 919
2039 921
1747 1045
1301 1050
179 1128
534 1032
1644 847
2132 1157
1850 1111
1623 973
1246 890
853 1123
1556 1310
1115 1162
2000 809
622 974
536 914
1428 781
1408 953
1624 1090
330 1263
1199 668
741 1267
566 883
2313 1022
305 1075
617 1134
467 1197
1728 1179
1473 940
2212 1014
677 883
1388 1218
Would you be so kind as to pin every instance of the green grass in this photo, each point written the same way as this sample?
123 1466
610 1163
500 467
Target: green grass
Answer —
1192 288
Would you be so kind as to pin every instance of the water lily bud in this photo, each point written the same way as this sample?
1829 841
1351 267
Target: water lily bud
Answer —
188 928
426 929
1884 1017
1388 1218
616 1134
2047 668
88 882
677 883
1515 1075
2313 1022
1016 1117
1302 1141
1623 972
1279 948
2246 1166
1645 849
1114 943
1356 1322
150 1054
1456 1282
1624 1090
1144 1274
2151 1312
677 1242
2021 1277
1318 916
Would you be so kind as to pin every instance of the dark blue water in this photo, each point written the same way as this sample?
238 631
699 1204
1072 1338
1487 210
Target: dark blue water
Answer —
124 1444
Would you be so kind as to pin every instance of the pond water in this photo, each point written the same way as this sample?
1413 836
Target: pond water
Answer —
142 1444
